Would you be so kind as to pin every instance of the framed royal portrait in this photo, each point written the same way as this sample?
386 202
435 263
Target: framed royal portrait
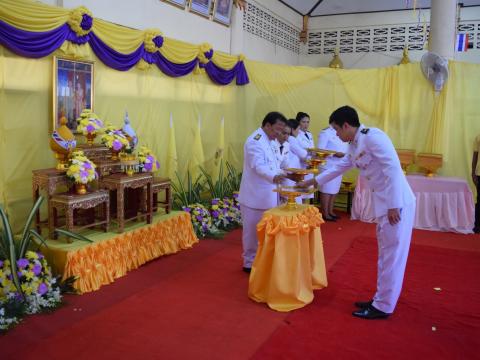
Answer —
72 90
222 11
201 7
179 3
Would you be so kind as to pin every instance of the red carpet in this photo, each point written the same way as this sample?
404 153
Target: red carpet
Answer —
194 305
326 329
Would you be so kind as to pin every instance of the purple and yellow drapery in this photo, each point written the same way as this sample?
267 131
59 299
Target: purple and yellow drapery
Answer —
37 30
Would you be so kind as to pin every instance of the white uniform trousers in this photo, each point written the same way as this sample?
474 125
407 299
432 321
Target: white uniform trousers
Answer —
250 218
393 247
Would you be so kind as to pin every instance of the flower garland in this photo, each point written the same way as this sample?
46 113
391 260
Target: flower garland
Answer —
147 160
224 214
115 139
201 220
80 169
80 21
41 289
89 123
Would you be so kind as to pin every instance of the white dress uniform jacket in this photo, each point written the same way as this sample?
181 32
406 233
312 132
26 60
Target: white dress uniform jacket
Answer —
305 139
373 154
328 139
297 153
260 166
282 153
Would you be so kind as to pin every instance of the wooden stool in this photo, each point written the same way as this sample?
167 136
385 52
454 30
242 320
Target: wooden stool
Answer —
160 184
69 202
346 189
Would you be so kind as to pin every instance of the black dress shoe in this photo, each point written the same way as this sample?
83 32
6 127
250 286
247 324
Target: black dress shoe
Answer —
363 304
327 218
247 270
336 217
476 230
370 313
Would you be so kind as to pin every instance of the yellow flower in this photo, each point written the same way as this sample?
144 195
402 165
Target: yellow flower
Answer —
31 255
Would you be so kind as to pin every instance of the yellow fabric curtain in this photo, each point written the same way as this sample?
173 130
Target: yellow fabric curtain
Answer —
398 99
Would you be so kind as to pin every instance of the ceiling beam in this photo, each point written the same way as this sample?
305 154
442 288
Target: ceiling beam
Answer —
314 7
291 7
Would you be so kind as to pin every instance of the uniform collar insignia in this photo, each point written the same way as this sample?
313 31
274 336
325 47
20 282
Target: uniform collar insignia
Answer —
257 137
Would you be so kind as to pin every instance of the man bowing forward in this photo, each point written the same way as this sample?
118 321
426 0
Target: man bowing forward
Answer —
372 152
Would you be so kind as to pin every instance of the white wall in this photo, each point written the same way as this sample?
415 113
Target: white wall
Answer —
380 59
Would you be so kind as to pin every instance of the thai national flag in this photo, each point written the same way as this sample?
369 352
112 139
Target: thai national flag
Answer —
462 42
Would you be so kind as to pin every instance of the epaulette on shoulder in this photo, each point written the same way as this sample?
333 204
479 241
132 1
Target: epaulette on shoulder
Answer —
365 131
257 137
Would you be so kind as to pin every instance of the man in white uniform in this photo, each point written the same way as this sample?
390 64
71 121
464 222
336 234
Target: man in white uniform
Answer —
305 140
261 171
372 152
328 140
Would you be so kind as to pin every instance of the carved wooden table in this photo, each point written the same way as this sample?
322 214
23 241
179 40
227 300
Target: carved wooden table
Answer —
120 182
162 184
69 202
95 152
107 167
48 180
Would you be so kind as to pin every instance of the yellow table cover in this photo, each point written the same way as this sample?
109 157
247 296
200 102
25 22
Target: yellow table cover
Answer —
290 262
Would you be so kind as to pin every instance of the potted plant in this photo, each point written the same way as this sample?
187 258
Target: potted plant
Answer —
89 125
115 140
81 171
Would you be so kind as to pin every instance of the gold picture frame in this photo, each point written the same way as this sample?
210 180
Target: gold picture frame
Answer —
179 3
200 7
222 11
73 90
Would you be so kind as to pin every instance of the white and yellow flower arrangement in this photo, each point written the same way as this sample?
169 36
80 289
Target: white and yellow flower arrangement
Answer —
81 170
148 161
115 139
89 125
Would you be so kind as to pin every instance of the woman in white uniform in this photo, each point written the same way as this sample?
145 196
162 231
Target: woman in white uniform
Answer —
297 154
328 140
305 140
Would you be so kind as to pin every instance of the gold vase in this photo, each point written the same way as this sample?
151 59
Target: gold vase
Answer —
81 189
90 138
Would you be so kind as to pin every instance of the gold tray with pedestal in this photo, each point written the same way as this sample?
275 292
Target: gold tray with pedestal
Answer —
297 175
319 156
129 163
406 157
291 193
430 162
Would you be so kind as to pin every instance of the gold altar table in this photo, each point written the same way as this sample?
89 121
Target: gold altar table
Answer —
290 262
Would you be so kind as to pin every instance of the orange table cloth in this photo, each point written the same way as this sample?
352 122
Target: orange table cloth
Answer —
290 262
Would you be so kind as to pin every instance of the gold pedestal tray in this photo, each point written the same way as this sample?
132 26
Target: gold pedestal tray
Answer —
297 175
291 193
129 163
319 157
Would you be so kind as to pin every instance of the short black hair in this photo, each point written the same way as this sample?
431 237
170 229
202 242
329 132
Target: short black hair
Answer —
345 114
301 115
293 124
273 117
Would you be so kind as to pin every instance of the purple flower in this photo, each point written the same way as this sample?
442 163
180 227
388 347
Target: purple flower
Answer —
235 196
158 41
87 22
187 209
215 201
116 145
224 211
158 164
204 227
83 173
215 214
37 269
22 263
1 263
40 255
90 128
199 217
87 165
9 277
19 273
42 289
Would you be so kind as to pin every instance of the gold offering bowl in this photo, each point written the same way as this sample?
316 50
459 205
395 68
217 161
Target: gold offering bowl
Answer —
129 163
430 162
292 192
406 157
298 175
